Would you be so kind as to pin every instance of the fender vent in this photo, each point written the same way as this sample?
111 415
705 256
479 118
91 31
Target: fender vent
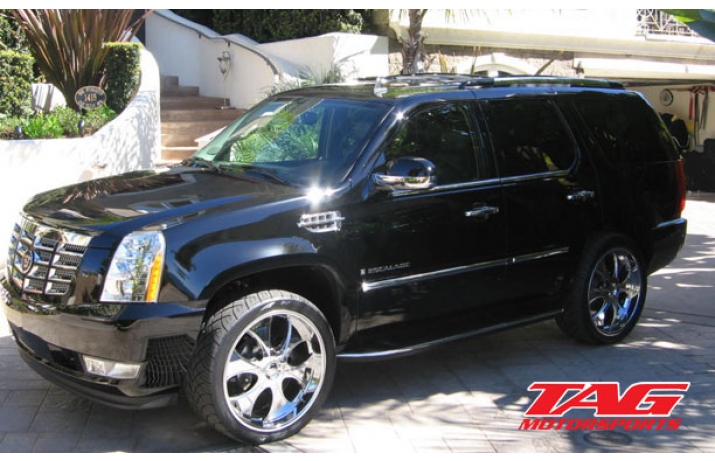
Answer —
327 221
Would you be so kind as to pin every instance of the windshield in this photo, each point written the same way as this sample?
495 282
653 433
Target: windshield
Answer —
300 141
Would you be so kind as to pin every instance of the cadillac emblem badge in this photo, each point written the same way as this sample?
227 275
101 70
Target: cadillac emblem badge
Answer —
26 261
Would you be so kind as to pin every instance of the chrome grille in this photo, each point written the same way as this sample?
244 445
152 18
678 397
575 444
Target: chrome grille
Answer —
44 260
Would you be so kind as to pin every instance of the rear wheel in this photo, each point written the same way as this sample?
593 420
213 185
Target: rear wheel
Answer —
264 365
608 292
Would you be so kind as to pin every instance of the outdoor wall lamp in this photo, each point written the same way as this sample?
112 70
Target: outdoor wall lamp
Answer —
224 63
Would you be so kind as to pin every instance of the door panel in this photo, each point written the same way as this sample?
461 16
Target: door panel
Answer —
549 193
430 254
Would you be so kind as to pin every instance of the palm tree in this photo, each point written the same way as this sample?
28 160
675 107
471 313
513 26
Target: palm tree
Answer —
414 47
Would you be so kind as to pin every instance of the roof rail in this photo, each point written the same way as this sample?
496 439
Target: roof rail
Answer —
462 81
535 81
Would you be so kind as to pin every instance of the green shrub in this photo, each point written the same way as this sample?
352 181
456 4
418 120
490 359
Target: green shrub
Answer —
68 119
7 126
42 126
122 73
96 118
274 25
16 79
11 36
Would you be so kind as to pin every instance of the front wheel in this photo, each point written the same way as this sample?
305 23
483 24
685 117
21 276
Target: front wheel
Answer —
264 365
608 292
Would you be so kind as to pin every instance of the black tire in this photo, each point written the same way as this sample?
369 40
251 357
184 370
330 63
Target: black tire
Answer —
263 366
607 293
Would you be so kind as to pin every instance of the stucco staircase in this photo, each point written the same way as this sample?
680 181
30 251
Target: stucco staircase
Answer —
185 116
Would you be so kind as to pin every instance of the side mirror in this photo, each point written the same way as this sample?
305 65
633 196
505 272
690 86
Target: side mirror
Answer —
407 173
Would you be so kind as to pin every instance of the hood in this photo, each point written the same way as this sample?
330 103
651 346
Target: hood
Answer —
148 198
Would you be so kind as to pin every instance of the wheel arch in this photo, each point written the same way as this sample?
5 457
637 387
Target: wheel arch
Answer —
312 279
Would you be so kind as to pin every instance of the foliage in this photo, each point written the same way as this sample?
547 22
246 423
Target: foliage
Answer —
11 36
310 77
68 44
68 119
61 122
7 126
274 25
16 79
123 71
701 21
96 118
42 126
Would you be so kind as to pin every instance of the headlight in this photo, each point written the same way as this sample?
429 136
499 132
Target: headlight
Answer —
135 272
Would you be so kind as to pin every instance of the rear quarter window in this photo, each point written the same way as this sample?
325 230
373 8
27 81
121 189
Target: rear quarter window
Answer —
627 129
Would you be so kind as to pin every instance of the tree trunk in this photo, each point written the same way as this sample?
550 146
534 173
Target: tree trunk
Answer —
413 47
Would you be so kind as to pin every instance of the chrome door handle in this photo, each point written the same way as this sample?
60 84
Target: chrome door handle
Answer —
482 212
581 196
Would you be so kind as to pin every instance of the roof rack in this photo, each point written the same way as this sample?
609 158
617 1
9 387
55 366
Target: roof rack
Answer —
536 81
463 81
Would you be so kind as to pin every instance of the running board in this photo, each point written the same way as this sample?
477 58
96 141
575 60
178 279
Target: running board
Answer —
420 347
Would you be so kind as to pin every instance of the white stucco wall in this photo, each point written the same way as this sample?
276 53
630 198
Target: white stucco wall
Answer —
190 51
130 142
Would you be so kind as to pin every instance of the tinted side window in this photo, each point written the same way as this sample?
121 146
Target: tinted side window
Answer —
529 137
442 135
626 128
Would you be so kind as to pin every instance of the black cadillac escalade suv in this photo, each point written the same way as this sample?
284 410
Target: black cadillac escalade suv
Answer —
354 221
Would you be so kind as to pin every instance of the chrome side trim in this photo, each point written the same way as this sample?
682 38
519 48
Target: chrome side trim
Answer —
448 187
546 175
408 350
539 255
674 222
389 283
369 286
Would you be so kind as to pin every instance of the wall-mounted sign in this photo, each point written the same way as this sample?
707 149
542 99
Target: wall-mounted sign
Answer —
90 97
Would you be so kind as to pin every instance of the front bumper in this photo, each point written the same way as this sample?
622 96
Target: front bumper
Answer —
159 337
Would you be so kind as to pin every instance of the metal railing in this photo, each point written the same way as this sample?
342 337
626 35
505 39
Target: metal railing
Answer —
656 22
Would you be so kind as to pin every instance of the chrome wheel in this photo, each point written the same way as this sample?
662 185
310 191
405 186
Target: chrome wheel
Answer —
614 292
274 371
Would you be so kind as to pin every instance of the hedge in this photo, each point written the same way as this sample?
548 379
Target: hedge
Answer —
123 71
274 25
16 79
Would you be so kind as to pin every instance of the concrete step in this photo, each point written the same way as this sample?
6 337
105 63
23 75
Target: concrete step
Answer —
176 90
195 128
186 115
168 80
190 102
179 140
176 154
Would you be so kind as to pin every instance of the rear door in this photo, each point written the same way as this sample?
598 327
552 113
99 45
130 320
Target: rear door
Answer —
550 196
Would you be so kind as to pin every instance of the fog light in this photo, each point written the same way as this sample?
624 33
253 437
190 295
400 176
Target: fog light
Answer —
110 368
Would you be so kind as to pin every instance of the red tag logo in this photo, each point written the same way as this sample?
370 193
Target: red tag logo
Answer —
640 406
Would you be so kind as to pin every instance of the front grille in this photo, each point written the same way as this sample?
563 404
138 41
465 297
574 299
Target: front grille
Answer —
44 260
167 359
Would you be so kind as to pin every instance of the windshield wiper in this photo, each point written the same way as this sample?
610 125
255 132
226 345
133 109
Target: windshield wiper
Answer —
193 162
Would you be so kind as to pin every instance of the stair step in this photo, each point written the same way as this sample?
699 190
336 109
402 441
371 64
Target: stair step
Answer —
186 115
189 102
169 80
176 154
175 90
195 129
178 140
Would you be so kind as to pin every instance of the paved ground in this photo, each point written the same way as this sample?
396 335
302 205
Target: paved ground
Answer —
469 397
